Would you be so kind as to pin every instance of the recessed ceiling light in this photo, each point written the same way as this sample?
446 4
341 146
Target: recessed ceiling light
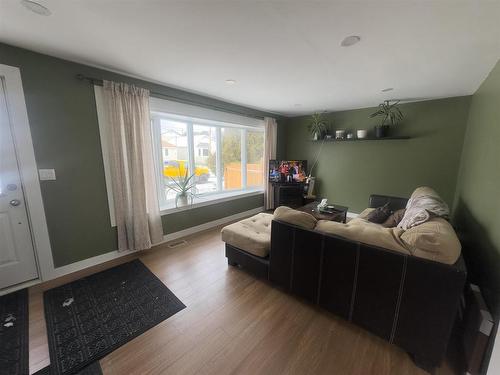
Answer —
387 89
350 40
230 81
36 7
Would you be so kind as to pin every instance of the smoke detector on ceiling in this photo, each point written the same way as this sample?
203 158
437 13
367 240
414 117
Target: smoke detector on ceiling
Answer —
36 7
350 40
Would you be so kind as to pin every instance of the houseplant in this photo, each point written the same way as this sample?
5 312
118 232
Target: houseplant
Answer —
317 127
184 188
390 114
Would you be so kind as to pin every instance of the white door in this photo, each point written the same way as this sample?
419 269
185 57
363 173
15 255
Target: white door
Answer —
17 257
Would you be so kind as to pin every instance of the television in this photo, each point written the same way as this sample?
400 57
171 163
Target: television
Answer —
287 171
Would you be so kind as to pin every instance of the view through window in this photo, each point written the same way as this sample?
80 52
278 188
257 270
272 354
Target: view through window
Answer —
219 157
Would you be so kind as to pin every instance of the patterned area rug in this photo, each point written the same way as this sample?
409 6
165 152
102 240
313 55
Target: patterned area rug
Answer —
14 350
91 317
92 369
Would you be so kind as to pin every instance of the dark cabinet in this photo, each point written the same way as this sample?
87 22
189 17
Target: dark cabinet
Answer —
291 195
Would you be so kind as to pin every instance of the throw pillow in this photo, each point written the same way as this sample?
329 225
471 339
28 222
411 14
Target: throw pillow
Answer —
393 220
435 239
363 214
379 215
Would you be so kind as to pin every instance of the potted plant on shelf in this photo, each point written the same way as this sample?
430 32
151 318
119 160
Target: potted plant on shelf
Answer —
184 188
317 127
390 114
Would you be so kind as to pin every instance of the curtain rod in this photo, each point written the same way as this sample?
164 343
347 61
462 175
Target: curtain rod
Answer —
99 82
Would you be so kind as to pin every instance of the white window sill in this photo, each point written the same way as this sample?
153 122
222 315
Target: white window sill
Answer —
210 200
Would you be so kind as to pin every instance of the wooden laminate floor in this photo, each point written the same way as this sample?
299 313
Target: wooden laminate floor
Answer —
234 324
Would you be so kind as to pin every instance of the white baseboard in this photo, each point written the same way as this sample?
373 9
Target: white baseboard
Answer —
77 266
20 286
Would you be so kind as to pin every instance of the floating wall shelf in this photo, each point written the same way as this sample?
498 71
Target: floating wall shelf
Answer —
363 139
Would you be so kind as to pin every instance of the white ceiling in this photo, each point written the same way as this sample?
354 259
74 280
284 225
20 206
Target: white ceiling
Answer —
285 55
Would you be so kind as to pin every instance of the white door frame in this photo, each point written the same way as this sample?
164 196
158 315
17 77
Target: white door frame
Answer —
23 144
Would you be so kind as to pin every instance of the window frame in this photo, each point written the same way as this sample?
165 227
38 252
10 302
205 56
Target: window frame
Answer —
220 194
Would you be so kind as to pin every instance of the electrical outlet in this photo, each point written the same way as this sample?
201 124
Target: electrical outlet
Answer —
47 174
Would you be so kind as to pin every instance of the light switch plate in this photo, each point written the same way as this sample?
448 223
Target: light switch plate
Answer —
47 174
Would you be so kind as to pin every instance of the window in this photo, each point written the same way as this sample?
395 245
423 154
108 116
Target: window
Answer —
225 158
255 158
205 172
174 147
231 158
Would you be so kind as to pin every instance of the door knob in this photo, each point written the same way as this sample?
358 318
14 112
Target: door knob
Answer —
15 202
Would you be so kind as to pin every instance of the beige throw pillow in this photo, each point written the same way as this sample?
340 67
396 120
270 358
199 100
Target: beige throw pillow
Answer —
424 190
298 218
435 239
393 220
363 214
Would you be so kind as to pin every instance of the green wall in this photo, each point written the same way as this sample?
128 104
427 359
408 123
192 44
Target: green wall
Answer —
348 172
63 121
197 216
478 190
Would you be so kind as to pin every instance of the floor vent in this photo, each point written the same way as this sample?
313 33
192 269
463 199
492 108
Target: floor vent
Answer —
175 244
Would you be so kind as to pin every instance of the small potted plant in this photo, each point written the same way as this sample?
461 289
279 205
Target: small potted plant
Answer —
184 188
390 114
317 127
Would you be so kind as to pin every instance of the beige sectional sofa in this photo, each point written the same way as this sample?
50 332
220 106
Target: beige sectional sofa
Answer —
435 239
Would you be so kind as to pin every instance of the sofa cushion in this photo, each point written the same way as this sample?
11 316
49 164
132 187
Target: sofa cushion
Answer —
435 239
298 218
363 214
423 204
393 220
361 230
379 215
252 235
422 191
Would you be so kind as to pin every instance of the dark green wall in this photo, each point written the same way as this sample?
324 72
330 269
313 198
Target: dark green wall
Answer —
197 216
478 190
63 121
349 172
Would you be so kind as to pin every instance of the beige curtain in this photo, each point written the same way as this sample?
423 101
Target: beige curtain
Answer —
271 129
132 170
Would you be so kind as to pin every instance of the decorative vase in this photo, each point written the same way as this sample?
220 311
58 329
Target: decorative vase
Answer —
381 131
181 200
361 133
315 136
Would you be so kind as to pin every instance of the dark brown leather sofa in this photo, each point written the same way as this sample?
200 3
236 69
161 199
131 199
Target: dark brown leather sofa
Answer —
409 301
